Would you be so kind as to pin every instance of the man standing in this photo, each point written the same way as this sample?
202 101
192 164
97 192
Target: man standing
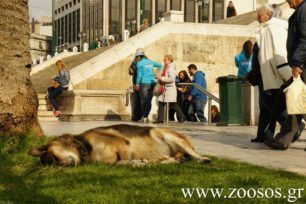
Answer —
198 98
136 104
296 54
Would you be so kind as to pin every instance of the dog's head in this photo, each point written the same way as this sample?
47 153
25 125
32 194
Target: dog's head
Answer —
60 151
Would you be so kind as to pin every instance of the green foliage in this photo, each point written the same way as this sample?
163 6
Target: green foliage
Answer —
24 180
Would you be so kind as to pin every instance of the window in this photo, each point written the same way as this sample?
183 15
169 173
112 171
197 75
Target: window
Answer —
55 12
66 6
74 2
59 11
70 4
175 5
146 7
63 8
131 16
161 8
190 11
203 13
115 17
218 6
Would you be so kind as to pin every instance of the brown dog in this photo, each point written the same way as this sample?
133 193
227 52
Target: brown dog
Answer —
119 144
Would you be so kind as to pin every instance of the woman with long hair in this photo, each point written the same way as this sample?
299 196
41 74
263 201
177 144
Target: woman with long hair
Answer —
244 59
231 11
60 83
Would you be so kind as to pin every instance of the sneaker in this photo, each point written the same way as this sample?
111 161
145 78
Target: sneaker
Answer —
141 120
146 120
57 113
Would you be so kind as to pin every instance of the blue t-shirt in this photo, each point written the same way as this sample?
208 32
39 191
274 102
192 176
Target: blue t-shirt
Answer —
244 65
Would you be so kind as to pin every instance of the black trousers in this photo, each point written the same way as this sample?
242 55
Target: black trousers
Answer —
292 125
173 106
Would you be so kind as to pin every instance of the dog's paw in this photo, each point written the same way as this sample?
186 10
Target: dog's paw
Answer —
204 160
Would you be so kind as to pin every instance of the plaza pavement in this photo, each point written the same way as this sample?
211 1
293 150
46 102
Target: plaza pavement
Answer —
231 142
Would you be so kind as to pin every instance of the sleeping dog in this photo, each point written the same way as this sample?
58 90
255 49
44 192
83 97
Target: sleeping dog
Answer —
119 144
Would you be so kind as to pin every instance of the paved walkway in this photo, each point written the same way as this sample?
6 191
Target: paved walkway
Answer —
232 142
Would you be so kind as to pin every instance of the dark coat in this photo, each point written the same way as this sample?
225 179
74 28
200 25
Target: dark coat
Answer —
296 42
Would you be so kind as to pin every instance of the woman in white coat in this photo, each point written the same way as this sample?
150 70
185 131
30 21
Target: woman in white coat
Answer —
169 92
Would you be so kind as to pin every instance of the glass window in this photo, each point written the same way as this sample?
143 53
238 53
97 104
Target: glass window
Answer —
189 11
115 17
175 5
161 8
131 16
55 12
70 4
146 8
203 13
63 8
218 6
66 6
74 2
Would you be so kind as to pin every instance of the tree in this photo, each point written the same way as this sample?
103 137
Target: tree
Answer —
18 100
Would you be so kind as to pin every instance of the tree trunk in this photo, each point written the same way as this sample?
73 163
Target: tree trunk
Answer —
18 100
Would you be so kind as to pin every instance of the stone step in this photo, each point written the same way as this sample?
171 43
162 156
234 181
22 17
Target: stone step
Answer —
47 119
41 95
43 113
42 107
42 102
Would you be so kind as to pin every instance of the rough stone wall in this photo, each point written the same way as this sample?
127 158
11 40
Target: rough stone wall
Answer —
213 55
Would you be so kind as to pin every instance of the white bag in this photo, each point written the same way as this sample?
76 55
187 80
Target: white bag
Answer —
296 97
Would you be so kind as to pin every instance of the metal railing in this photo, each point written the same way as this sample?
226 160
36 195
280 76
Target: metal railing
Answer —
210 98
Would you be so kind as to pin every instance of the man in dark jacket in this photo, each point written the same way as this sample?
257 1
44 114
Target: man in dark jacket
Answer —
198 98
296 50
136 103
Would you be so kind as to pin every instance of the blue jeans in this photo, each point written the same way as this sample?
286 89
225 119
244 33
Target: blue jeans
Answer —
53 92
146 95
197 107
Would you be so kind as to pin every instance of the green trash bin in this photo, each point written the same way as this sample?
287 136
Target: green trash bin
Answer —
230 91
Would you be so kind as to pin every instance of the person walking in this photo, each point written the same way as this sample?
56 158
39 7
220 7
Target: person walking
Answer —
197 98
230 11
136 104
145 82
296 55
269 70
60 83
169 92
243 60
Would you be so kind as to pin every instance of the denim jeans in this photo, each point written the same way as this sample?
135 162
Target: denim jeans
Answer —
146 95
197 107
53 93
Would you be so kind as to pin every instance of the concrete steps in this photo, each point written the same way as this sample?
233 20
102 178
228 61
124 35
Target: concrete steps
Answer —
43 113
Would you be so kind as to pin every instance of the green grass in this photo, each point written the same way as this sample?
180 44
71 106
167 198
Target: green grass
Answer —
24 180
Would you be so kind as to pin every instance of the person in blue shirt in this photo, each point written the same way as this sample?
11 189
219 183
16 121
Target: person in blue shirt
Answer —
145 82
244 60
197 98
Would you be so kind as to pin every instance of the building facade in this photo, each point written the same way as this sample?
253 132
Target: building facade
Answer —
79 21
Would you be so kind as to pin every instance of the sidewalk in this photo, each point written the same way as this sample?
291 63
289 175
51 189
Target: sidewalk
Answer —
231 142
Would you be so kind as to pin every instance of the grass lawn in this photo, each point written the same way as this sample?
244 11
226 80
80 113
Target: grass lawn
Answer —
24 180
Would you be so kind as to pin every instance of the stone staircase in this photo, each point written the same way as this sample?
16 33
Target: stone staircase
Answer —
43 113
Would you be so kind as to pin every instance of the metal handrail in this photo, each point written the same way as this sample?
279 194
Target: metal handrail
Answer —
209 96
202 90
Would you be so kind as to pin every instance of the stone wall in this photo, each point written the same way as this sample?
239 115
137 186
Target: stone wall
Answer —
214 55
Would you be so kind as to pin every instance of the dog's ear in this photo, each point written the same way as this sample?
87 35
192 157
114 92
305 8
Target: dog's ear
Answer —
37 151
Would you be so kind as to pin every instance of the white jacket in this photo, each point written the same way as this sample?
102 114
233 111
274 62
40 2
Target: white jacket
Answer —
170 92
273 53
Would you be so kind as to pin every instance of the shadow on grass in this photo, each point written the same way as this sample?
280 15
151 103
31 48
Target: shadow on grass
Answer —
16 186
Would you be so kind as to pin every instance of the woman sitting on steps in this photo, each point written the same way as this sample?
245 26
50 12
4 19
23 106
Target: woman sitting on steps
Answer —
60 83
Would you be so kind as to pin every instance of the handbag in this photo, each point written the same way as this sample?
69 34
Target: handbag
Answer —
158 89
296 97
